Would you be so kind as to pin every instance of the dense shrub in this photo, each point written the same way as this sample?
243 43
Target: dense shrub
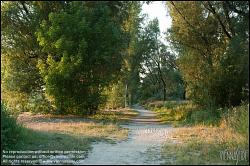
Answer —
238 119
206 116
10 130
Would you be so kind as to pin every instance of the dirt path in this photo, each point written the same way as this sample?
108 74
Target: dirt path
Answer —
145 117
146 136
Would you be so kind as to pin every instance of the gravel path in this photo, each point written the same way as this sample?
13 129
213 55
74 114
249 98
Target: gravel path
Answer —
146 136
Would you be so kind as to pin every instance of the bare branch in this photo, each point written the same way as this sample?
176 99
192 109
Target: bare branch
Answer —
212 9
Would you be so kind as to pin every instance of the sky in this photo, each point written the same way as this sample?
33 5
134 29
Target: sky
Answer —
158 9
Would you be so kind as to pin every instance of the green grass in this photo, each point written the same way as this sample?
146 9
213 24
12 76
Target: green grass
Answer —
33 140
203 134
114 116
238 119
41 140
179 113
205 145
202 153
164 104
58 132
74 126
174 115
10 130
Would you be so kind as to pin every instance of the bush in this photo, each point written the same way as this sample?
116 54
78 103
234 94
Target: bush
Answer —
114 96
154 104
185 112
174 111
169 105
10 130
206 116
172 104
19 102
238 119
38 104
106 117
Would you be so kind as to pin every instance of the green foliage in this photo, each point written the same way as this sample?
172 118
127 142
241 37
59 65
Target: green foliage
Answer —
204 116
10 130
172 104
238 119
106 117
212 44
203 152
188 113
161 78
154 104
125 88
121 116
19 49
166 104
234 63
84 44
64 55
37 103
176 112
185 113
73 57
115 96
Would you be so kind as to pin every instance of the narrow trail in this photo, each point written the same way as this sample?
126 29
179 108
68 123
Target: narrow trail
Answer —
143 146
145 117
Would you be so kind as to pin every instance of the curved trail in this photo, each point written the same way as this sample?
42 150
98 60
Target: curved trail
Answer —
143 146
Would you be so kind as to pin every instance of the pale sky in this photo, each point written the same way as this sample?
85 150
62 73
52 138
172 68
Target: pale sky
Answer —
158 9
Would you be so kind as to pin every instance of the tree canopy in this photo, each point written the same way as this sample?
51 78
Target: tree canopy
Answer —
212 41
81 56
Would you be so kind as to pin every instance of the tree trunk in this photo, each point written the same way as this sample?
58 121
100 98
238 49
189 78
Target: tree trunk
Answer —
125 96
164 92
129 99
184 95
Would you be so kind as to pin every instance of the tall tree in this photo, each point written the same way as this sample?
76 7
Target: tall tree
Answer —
125 91
20 81
84 43
158 63
65 51
204 34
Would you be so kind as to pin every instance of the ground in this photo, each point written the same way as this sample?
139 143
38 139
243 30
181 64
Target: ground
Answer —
143 146
141 139
137 141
